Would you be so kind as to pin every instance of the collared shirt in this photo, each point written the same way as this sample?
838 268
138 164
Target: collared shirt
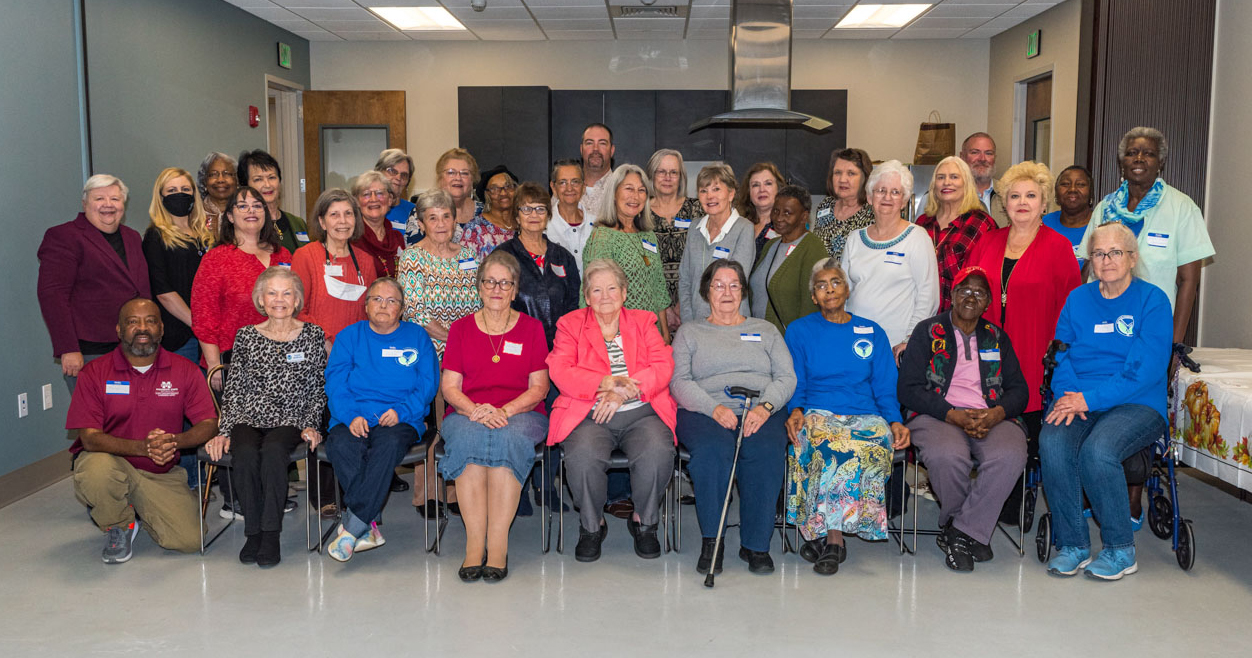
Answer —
952 246
116 398
703 227
573 238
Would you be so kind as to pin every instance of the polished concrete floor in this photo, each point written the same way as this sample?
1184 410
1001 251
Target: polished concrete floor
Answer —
61 600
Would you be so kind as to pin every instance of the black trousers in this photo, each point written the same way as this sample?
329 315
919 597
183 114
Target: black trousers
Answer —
260 457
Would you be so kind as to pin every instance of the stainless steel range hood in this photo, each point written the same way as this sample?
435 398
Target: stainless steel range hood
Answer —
760 69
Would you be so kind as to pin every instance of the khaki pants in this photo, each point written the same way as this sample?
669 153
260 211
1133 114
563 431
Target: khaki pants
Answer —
117 492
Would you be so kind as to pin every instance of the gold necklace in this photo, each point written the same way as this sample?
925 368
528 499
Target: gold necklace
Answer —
495 349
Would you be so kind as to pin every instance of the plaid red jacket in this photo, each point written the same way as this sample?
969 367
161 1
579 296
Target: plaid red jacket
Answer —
952 246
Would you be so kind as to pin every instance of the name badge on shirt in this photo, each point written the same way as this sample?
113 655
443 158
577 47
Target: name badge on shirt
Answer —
302 236
720 253
559 270
862 330
391 352
989 355
825 212
770 234
682 223
295 357
117 388
334 270
405 357
512 348
467 264
399 226
1104 328
1158 239
894 257
650 246
283 264
751 338
790 248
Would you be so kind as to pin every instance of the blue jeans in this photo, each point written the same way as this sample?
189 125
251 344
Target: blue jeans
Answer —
364 467
190 350
762 461
1087 456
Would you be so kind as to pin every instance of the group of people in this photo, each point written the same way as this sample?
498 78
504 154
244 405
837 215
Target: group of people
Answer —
608 314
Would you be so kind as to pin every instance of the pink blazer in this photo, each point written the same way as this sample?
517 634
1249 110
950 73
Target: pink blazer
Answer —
579 361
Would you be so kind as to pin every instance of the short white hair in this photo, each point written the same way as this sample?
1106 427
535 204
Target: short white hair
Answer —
887 168
105 180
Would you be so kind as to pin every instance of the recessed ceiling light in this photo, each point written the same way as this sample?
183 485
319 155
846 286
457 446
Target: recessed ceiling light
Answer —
415 19
881 16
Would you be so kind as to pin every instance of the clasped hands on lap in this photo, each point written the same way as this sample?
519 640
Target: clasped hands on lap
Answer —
900 438
1066 408
613 392
975 422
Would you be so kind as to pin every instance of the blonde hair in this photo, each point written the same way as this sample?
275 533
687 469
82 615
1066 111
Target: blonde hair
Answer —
1035 172
458 153
163 221
969 200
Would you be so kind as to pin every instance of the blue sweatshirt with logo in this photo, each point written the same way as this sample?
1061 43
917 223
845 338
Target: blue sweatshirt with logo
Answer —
1119 348
846 369
368 373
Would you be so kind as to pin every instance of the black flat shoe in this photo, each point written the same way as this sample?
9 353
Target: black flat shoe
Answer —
647 546
453 508
706 556
496 574
471 574
758 561
811 549
827 563
251 545
398 485
269 553
430 510
588 548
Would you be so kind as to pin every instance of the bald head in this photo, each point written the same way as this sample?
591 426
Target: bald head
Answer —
139 327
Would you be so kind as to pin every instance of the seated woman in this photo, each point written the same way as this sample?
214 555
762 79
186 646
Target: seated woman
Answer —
380 379
727 349
273 400
780 278
1109 403
494 381
965 392
844 423
613 370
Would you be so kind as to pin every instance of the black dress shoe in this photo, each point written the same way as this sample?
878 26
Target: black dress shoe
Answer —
251 544
453 508
496 574
430 509
472 573
827 563
269 553
706 556
959 556
811 549
981 552
647 546
398 485
758 561
588 548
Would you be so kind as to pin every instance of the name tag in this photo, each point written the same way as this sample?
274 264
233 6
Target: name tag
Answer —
334 270
295 357
1158 239
682 223
512 348
862 330
825 212
720 252
399 226
283 264
467 264
770 234
117 388
391 352
790 248
751 338
1104 328
650 246
559 270
894 257
302 236
1077 252
989 355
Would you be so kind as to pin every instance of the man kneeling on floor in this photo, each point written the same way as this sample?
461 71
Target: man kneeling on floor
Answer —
129 406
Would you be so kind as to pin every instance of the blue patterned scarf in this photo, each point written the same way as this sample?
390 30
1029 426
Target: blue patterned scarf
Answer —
1115 209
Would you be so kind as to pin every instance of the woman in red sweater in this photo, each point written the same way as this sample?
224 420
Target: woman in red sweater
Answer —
334 271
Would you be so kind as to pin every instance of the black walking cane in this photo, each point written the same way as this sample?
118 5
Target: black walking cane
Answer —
746 394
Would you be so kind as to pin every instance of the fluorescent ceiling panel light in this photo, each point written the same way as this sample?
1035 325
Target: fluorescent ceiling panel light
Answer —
881 16
419 19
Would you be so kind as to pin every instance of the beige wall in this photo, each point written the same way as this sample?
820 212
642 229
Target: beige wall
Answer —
1059 46
1225 296
892 85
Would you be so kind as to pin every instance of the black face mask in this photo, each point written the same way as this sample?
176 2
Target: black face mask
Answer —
178 204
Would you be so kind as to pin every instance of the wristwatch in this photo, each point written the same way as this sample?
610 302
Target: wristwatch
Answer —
769 406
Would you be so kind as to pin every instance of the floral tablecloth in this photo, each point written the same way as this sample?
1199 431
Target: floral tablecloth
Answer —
1210 415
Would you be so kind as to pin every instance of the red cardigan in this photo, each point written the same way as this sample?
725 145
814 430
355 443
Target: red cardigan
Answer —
83 284
579 361
221 295
1038 287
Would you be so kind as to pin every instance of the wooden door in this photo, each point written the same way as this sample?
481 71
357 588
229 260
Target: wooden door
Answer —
326 111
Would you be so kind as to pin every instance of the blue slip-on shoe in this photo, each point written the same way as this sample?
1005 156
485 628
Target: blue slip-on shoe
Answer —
1113 563
1069 561
1136 524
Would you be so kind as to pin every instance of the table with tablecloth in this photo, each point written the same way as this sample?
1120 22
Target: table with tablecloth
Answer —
1210 415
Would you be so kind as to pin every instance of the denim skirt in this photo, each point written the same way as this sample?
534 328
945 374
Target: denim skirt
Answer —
512 446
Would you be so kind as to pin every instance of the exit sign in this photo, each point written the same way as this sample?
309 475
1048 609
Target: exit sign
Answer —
284 55
1032 44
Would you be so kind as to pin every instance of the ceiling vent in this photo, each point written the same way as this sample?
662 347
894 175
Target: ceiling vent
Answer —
618 11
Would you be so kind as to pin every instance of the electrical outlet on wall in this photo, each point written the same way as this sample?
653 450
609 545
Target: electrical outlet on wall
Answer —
47 397
21 405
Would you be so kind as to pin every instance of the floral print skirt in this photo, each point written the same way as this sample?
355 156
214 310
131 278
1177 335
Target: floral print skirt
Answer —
838 479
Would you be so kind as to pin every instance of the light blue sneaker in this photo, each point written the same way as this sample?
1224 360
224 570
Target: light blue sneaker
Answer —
1069 561
1113 563
1136 524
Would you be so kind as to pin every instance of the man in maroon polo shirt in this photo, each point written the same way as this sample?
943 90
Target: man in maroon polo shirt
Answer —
129 406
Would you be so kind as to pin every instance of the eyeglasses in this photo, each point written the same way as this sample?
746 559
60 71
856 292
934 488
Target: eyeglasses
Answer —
383 301
721 287
667 173
402 175
976 293
533 210
1112 254
374 194
245 207
496 189
893 193
456 173
566 182
823 286
502 284
220 174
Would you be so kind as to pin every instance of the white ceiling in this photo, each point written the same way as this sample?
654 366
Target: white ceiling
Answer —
589 20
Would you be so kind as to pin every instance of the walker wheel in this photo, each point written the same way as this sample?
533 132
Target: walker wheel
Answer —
1028 515
1186 546
1161 517
1043 538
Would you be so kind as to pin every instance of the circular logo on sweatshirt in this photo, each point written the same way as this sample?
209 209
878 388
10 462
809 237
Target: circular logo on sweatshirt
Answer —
1126 325
407 357
863 348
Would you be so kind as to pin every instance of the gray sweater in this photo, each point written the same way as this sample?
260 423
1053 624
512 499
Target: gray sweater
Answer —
739 240
708 358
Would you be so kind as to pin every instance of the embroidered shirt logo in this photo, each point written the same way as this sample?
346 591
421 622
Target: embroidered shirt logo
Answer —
166 390
407 357
863 348
1126 325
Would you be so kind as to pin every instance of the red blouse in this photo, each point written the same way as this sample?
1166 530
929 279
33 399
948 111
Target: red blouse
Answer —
221 295
331 313
384 251
1038 287
521 351
953 245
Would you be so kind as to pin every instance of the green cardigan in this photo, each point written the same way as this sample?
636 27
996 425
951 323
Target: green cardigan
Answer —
789 297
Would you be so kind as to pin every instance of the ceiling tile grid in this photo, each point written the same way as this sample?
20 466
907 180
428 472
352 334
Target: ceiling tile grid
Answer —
593 20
